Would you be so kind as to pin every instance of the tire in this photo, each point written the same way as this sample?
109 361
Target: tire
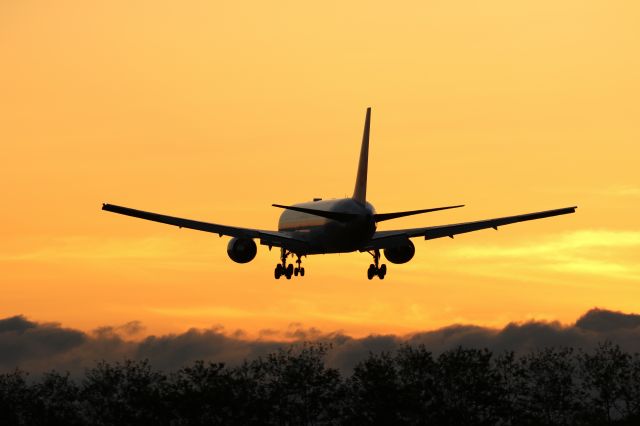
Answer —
290 270
277 273
370 273
382 271
302 272
295 272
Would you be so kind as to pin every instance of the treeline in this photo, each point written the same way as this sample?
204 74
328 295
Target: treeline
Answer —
294 387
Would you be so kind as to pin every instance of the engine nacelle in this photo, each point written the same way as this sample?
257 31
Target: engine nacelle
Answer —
400 254
242 250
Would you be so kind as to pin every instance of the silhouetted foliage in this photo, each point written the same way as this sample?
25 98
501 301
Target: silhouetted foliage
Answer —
293 386
54 401
374 391
124 393
15 398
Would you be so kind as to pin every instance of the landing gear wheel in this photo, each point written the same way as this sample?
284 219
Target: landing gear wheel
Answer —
278 272
289 272
295 271
302 272
371 271
382 271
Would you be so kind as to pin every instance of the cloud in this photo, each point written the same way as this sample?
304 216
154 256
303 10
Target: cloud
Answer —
602 320
622 191
25 341
103 250
38 347
128 329
583 240
588 252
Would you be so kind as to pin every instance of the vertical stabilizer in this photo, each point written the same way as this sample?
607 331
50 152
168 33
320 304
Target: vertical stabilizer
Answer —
360 191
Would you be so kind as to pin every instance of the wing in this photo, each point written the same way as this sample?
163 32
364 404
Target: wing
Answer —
384 239
268 238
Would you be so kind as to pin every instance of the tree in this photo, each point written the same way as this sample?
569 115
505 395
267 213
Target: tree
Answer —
211 393
54 401
468 388
512 377
551 393
15 398
606 375
293 386
124 393
417 376
373 390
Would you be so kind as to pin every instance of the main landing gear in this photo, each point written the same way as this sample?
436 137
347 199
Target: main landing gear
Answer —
288 270
375 268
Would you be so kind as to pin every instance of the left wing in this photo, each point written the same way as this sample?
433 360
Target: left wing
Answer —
384 239
268 238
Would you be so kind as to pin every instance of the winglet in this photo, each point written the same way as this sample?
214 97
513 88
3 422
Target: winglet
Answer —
360 191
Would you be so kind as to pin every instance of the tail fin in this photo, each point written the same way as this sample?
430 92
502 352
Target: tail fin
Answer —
360 191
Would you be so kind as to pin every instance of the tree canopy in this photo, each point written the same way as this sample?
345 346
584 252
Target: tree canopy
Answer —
293 386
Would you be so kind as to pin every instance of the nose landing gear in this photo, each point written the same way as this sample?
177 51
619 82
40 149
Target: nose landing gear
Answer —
375 269
288 270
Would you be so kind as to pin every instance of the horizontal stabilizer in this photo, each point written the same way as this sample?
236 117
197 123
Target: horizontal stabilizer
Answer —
386 216
339 216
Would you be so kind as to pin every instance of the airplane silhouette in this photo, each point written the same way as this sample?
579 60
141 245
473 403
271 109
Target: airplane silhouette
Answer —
335 226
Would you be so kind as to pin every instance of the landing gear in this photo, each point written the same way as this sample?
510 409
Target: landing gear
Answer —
375 269
298 270
288 270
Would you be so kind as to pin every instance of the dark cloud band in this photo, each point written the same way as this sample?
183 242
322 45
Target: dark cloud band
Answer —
38 347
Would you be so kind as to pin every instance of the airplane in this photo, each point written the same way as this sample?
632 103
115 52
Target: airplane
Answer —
335 226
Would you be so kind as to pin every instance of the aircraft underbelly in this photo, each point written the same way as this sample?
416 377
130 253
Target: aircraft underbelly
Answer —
334 238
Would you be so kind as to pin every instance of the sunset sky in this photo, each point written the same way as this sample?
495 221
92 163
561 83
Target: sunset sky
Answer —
215 110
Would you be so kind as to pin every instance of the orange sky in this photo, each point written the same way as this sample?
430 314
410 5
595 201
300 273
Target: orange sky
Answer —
213 111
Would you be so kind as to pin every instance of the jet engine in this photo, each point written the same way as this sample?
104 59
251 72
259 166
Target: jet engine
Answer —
242 250
400 254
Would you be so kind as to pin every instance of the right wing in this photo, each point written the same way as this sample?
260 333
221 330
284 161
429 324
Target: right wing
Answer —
384 239
268 238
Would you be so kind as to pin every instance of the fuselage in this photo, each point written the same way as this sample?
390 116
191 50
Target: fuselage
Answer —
326 235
